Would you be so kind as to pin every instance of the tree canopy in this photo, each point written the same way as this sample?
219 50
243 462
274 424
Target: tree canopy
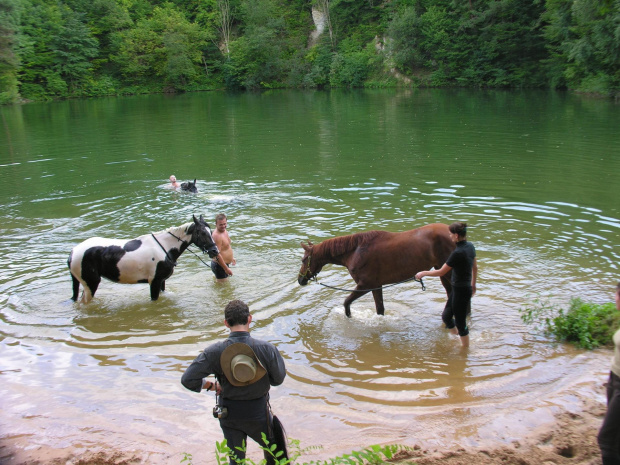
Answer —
53 48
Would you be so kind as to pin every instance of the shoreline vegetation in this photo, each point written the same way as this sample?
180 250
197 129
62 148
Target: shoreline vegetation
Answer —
89 48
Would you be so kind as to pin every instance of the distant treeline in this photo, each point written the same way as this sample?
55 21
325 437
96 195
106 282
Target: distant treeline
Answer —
55 49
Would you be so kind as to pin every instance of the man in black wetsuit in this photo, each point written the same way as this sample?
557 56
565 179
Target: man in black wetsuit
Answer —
245 369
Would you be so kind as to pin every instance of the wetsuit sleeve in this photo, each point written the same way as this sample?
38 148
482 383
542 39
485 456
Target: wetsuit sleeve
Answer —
277 370
200 368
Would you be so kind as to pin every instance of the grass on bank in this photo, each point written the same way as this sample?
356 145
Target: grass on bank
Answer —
373 455
586 325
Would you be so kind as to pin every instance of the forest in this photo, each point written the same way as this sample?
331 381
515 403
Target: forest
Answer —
53 49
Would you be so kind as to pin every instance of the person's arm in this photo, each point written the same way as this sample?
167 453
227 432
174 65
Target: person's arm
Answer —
440 272
275 366
474 276
195 375
223 264
233 261
276 377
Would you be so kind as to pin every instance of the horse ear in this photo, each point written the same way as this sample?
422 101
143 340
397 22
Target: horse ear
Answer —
194 180
310 243
195 220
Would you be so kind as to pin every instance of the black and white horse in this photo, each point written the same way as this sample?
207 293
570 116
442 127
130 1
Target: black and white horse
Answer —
189 187
150 258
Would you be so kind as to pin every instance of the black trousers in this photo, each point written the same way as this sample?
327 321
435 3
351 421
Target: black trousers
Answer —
245 419
457 308
609 434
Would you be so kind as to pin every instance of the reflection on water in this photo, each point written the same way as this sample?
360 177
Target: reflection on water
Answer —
540 222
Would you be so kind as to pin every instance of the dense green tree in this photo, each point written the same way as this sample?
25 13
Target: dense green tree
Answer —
584 40
41 25
257 57
9 62
164 49
350 68
58 48
73 47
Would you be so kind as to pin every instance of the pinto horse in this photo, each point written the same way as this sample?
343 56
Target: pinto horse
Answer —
376 258
150 258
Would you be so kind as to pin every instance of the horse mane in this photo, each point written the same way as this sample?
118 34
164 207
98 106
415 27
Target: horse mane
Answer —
176 229
337 246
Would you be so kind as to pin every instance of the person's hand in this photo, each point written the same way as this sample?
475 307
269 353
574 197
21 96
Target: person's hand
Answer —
234 262
209 385
419 275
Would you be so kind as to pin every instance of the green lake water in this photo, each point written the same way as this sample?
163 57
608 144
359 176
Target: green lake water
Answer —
535 174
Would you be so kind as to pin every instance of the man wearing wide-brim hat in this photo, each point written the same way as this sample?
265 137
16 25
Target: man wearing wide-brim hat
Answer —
246 368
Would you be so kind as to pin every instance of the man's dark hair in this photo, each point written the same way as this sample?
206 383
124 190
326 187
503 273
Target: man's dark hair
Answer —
458 228
236 313
220 216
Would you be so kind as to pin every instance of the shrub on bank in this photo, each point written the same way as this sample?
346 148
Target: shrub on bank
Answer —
587 325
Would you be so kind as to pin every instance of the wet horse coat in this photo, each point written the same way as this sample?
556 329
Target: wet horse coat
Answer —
150 258
189 187
377 258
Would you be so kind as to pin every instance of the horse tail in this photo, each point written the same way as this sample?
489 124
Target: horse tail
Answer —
75 281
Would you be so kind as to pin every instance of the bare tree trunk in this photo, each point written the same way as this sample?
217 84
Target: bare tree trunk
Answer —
225 25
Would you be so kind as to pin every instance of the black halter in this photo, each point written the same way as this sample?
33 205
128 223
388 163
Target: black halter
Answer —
305 275
174 263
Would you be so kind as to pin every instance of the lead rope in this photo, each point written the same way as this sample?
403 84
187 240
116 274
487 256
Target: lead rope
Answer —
197 256
174 263
316 280
374 289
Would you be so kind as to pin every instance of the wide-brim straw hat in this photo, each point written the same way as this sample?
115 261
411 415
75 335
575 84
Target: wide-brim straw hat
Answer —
240 365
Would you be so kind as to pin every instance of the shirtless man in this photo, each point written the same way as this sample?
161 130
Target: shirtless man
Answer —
173 183
219 265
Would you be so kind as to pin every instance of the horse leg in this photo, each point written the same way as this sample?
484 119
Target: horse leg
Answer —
162 272
91 279
156 288
447 284
378 296
352 298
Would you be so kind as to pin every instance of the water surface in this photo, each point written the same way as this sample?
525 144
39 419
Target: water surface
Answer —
533 173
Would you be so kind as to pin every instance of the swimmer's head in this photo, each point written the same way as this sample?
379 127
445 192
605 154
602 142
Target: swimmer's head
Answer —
173 178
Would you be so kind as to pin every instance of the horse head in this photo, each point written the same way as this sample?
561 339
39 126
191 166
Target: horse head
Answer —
189 186
201 236
309 268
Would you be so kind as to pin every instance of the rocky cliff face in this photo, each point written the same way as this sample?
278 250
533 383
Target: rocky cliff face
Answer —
319 18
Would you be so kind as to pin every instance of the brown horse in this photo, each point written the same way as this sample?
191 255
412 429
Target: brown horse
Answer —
376 258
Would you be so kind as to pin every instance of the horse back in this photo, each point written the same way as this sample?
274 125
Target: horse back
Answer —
394 256
431 241
124 261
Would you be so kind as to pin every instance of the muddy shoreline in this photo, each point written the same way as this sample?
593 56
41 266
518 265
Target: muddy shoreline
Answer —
568 436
